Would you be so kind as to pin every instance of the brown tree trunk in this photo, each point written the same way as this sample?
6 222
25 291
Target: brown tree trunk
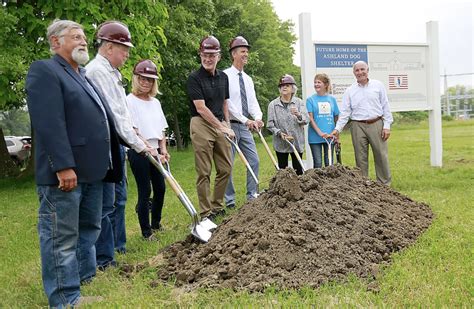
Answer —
7 166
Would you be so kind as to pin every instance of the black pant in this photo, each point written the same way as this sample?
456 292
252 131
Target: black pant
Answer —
144 173
283 161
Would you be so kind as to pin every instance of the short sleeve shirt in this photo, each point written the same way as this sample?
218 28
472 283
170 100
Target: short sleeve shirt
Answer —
213 89
324 108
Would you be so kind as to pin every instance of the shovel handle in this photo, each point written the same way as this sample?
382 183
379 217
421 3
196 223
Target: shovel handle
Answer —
297 155
242 157
165 173
268 149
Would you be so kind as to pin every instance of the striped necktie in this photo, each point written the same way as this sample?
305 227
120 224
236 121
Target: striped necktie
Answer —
243 96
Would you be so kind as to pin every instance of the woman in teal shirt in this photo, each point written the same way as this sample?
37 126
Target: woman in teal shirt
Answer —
323 114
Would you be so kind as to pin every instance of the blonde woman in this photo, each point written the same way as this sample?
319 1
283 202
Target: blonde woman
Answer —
150 123
323 114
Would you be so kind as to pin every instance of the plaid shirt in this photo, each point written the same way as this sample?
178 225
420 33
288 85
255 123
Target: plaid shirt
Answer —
108 81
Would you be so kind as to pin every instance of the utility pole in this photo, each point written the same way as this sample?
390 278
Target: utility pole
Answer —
446 93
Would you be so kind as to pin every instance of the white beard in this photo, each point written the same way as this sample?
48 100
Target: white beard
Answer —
79 56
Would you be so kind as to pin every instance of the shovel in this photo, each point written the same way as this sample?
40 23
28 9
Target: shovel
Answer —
200 230
244 160
297 155
268 149
330 142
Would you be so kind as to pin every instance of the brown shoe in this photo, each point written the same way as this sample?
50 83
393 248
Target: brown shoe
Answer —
87 300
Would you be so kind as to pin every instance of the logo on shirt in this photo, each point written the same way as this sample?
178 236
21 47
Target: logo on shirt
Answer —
396 82
324 108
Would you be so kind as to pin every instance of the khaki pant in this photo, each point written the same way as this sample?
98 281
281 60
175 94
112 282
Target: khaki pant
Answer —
210 144
363 135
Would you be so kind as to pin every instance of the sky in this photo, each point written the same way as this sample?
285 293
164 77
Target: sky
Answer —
402 21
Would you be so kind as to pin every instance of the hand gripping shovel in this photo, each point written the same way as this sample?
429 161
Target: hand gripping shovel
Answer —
244 160
200 230
268 149
287 139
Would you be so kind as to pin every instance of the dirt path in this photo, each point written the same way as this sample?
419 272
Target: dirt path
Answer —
303 231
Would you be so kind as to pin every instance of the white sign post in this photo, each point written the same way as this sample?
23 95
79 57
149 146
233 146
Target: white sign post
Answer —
410 72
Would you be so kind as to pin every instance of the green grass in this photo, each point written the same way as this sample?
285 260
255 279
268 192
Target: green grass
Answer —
435 272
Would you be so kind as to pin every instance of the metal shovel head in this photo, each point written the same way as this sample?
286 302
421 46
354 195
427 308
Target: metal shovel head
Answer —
201 233
208 224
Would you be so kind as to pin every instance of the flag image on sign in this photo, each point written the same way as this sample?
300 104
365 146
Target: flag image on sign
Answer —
396 82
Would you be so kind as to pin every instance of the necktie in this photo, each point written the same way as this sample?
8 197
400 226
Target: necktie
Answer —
243 97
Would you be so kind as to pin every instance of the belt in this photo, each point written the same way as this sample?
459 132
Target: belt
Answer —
235 121
369 121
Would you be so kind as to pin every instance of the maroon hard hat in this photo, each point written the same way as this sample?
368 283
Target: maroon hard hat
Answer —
286 79
116 32
238 41
146 68
210 44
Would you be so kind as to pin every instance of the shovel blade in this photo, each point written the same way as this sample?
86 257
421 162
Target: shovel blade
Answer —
207 224
201 233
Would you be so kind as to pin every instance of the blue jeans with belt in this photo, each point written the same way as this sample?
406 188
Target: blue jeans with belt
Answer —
68 227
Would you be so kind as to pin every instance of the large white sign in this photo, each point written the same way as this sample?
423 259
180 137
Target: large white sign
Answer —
410 72
402 69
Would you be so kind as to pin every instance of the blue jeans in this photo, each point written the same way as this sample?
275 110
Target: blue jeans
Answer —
68 227
118 218
147 177
112 236
244 139
105 245
316 151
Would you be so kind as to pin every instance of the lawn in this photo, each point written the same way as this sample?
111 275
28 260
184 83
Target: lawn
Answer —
435 272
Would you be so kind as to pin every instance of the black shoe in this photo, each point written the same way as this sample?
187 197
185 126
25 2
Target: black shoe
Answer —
230 206
217 214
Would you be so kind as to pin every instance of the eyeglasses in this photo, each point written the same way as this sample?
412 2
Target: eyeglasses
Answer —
145 79
209 56
76 37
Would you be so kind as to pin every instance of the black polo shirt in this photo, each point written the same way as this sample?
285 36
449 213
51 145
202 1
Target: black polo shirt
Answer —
213 89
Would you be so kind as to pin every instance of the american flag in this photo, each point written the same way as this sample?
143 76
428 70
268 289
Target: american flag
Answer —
396 82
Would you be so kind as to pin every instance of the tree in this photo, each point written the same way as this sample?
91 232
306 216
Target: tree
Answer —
24 24
271 53
187 24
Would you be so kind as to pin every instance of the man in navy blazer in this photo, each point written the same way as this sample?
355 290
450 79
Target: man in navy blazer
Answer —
76 148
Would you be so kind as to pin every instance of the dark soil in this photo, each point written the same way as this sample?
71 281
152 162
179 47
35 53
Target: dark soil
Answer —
304 231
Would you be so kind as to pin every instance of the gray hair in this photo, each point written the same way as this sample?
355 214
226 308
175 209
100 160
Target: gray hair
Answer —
58 27
360 62
294 89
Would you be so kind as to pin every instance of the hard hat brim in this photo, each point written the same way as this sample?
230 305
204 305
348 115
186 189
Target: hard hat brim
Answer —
147 75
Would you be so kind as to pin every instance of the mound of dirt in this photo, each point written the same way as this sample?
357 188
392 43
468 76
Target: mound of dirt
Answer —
304 231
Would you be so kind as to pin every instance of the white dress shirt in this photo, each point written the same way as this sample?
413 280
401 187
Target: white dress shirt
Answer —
365 103
235 103
108 81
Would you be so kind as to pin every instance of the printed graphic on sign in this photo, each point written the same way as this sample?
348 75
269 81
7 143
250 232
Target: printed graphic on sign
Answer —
339 56
396 82
324 108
